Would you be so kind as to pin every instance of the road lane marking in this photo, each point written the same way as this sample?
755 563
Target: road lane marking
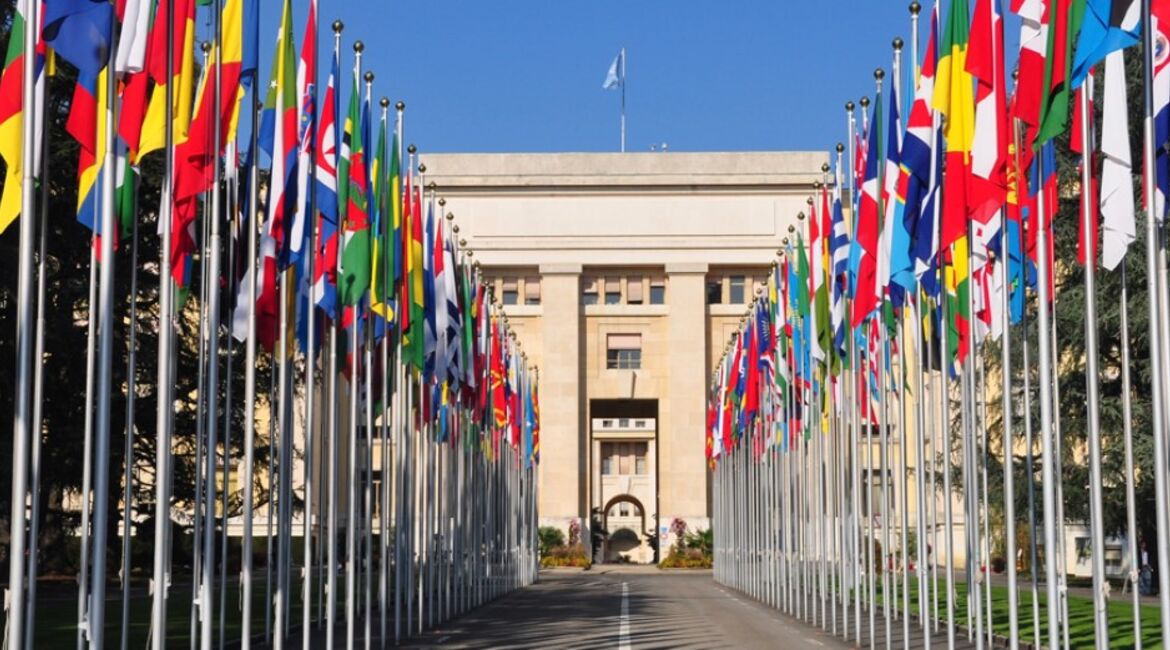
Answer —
624 624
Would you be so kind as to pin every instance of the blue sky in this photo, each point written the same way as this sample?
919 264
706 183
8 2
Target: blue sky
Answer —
526 75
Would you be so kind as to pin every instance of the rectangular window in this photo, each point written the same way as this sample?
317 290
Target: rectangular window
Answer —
715 291
737 290
658 291
511 291
640 464
532 291
634 290
589 291
613 291
623 351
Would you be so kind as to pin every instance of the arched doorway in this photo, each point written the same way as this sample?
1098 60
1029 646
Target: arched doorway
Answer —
624 518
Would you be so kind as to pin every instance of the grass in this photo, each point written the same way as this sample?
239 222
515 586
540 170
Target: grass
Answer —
1081 626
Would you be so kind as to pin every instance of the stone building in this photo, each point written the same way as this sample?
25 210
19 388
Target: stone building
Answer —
623 275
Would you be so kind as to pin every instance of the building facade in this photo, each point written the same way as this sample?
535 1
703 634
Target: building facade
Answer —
624 275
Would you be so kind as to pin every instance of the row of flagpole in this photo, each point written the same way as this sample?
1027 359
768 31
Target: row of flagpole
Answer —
929 276
416 355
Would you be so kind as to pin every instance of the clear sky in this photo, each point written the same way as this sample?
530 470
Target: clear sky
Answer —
526 75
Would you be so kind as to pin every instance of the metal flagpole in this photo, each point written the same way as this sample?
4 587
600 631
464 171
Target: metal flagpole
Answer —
1157 359
38 402
1007 441
164 386
947 452
206 604
105 377
1096 513
87 450
311 438
367 453
1127 424
1046 437
854 437
22 426
623 71
128 453
251 277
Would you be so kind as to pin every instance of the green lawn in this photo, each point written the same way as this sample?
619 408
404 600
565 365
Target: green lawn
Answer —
1080 617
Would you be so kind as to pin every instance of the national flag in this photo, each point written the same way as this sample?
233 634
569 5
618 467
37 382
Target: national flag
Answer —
616 75
953 98
920 156
816 278
328 145
987 191
823 332
1064 21
80 31
839 284
893 200
12 113
181 81
134 15
354 276
87 125
868 228
1108 26
1160 15
1117 201
1033 46
306 74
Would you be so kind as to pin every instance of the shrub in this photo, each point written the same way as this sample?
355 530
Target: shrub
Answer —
686 559
693 550
550 537
566 556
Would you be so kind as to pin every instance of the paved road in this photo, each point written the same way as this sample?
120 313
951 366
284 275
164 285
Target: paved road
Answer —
624 607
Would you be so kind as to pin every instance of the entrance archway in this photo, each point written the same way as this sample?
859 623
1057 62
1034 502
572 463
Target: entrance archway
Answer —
624 518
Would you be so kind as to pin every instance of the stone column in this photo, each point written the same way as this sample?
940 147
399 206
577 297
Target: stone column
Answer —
681 441
563 448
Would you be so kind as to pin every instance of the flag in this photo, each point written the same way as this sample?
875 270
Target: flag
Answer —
181 79
1033 46
920 157
414 281
354 276
80 31
328 144
135 18
894 182
1064 19
279 107
87 125
306 74
954 100
839 284
823 332
1108 26
816 279
868 228
985 62
616 76
12 114
1160 14
1117 201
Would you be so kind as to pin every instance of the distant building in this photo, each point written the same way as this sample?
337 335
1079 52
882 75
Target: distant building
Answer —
624 275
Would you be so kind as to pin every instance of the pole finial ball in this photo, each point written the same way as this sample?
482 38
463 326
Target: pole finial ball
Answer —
840 147
358 46
442 201
411 148
384 102
849 106
369 76
338 26
898 42
780 252
879 74
785 240
205 46
462 242
825 166
915 8
450 216
400 105
422 168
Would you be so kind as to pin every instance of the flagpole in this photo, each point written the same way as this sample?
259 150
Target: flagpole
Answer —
367 453
131 366
206 604
1157 353
1127 424
310 422
105 378
37 432
231 182
165 387
22 426
250 384
352 399
87 447
623 71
